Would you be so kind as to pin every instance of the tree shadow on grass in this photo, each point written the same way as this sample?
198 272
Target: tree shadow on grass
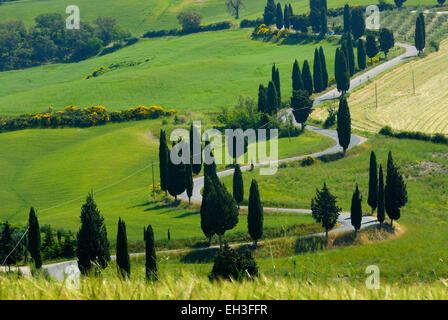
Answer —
310 244
208 255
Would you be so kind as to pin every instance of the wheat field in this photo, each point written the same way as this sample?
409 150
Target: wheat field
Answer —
398 107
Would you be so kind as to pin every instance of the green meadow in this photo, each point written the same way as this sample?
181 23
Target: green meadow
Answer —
199 72
139 16
54 169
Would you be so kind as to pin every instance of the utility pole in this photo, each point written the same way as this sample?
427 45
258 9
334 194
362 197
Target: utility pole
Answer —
376 97
153 183
413 81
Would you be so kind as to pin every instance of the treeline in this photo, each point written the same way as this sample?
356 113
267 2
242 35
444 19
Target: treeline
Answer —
180 32
81 118
49 41
56 244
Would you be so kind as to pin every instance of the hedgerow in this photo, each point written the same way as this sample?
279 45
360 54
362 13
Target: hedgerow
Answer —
414 135
74 117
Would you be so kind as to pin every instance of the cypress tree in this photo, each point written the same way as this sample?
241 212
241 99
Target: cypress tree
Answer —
358 23
317 72
169 234
373 183
307 79
342 73
279 16
291 12
286 21
195 157
224 215
7 244
208 199
269 13
344 124
325 210
163 162
123 261
351 54
297 83
150 255
176 176
34 240
395 191
356 210
93 246
371 47
381 200
323 18
347 19
272 99
323 68
302 106
238 185
255 213
361 54
189 181
262 99
276 81
420 33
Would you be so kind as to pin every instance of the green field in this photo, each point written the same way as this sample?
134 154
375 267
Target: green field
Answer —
139 16
54 169
199 72
419 255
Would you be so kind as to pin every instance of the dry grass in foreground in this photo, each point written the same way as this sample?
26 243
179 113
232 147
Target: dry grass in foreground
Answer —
191 287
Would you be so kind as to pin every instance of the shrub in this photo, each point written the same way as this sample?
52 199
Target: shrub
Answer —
251 23
414 135
180 32
435 45
308 161
74 117
231 265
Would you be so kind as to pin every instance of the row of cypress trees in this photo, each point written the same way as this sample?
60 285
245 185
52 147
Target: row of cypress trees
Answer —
219 211
273 13
177 178
269 99
123 259
392 196
354 21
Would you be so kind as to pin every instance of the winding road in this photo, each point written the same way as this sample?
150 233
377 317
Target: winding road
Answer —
60 270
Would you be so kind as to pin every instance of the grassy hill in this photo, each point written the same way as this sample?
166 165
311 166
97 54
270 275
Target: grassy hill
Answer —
198 72
139 16
54 169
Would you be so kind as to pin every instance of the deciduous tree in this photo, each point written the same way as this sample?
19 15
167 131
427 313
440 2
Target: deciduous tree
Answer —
302 106
325 210
234 7
387 41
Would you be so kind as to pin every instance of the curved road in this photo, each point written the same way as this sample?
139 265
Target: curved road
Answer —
59 270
